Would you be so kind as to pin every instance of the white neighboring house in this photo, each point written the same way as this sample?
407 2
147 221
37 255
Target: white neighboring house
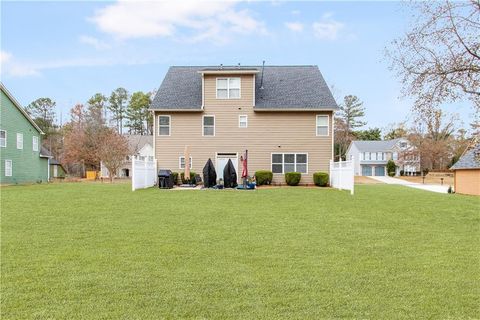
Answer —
140 147
371 157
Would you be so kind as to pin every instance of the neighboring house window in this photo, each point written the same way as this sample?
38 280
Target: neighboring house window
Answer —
322 125
19 140
35 143
380 156
181 162
289 162
395 156
142 158
373 156
228 88
3 138
208 125
8 168
127 158
242 121
150 158
164 125
403 144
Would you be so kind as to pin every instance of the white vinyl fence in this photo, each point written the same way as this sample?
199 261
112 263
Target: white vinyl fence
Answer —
341 175
144 173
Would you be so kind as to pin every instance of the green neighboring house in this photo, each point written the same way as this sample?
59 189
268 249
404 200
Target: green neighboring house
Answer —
21 160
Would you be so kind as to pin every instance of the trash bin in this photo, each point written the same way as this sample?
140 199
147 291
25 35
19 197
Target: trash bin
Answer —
165 179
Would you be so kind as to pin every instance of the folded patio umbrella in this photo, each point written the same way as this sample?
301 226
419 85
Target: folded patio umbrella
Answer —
209 174
229 175
186 154
245 165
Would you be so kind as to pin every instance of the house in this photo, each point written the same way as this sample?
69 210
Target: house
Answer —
21 159
282 115
467 172
371 157
141 147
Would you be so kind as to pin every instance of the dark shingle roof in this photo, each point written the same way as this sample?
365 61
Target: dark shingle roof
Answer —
470 160
284 88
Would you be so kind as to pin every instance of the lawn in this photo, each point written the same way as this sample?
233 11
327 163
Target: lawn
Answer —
83 251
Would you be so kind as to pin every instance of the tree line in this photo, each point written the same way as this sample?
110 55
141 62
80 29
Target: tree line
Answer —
95 131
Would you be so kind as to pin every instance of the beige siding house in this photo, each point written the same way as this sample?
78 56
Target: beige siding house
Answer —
283 116
467 172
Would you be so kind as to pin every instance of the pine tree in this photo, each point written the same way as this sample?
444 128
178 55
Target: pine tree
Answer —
137 113
118 102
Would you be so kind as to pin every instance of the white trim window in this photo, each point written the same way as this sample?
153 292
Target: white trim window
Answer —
35 143
8 168
243 121
322 127
228 88
208 126
3 138
289 162
19 140
164 125
181 162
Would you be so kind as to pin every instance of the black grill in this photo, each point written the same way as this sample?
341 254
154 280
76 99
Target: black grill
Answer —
165 179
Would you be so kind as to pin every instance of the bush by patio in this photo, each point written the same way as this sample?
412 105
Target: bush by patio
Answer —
391 167
293 178
320 179
175 178
191 180
263 177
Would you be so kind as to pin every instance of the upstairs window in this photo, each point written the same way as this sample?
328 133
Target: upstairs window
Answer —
19 140
228 88
242 121
35 143
164 125
3 138
209 125
322 125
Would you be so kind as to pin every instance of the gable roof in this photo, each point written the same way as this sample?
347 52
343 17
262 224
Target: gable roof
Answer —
45 153
136 142
283 88
470 160
19 107
374 146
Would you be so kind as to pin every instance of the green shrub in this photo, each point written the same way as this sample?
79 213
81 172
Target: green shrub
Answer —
391 167
293 178
175 178
190 180
320 179
263 177
391 174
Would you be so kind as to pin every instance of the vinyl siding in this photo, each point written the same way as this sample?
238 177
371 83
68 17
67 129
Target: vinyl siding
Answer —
27 164
467 181
267 133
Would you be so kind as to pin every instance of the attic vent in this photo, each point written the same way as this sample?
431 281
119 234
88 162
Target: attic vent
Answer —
238 67
221 65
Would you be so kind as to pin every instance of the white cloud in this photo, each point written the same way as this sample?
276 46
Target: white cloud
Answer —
10 66
184 20
327 28
294 26
94 42
295 12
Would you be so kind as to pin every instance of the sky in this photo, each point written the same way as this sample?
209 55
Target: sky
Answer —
68 51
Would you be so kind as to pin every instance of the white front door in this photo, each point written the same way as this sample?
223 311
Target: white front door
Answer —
222 160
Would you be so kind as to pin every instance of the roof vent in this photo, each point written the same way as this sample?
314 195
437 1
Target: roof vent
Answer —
221 65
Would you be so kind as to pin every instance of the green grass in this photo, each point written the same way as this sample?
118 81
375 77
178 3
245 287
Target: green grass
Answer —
83 251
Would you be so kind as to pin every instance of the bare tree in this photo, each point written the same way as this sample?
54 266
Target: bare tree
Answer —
432 136
113 148
438 60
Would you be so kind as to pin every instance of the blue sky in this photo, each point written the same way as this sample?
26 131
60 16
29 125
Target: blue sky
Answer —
68 51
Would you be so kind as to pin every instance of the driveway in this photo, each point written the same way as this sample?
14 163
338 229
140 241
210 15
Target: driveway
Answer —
428 187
